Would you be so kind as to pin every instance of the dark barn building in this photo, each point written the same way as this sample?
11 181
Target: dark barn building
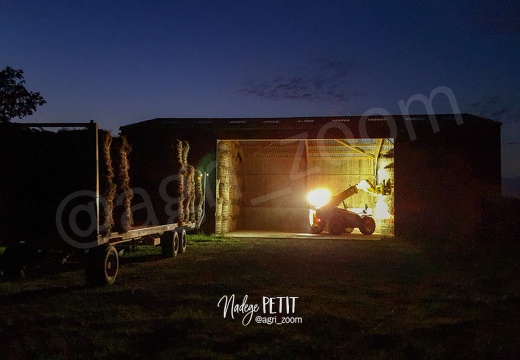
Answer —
438 170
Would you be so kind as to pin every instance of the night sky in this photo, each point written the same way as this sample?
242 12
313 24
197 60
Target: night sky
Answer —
119 62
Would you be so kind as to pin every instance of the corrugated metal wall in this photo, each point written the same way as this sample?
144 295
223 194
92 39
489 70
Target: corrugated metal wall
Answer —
274 190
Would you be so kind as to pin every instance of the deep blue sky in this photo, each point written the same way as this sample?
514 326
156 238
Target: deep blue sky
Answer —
119 62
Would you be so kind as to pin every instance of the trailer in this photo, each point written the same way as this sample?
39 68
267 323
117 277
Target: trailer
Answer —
66 187
102 260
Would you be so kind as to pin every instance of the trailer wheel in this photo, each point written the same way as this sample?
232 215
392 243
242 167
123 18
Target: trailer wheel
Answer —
367 225
183 241
316 229
102 265
335 225
170 244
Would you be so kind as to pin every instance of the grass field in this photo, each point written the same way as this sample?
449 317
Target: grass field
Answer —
355 299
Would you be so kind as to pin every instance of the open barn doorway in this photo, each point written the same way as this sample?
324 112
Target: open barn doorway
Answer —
262 185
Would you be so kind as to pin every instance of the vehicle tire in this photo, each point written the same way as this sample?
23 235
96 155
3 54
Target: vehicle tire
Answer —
316 229
102 265
335 225
367 225
183 241
349 230
170 244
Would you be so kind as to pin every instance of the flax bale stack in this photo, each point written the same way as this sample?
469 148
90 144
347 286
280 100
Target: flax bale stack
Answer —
190 189
185 169
122 212
186 185
114 183
181 182
160 176
107 187
199 196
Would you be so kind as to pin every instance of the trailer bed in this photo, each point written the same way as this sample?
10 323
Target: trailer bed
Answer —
140 232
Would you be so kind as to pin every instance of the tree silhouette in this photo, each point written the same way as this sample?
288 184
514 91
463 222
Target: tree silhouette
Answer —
15 99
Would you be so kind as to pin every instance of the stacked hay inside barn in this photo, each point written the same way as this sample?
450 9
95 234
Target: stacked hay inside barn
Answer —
237 185
228 187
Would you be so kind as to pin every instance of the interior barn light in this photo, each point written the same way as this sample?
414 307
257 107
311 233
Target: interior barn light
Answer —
381 209
365 185
383 174
319 197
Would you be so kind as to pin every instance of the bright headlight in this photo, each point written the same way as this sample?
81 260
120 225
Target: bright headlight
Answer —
318 197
